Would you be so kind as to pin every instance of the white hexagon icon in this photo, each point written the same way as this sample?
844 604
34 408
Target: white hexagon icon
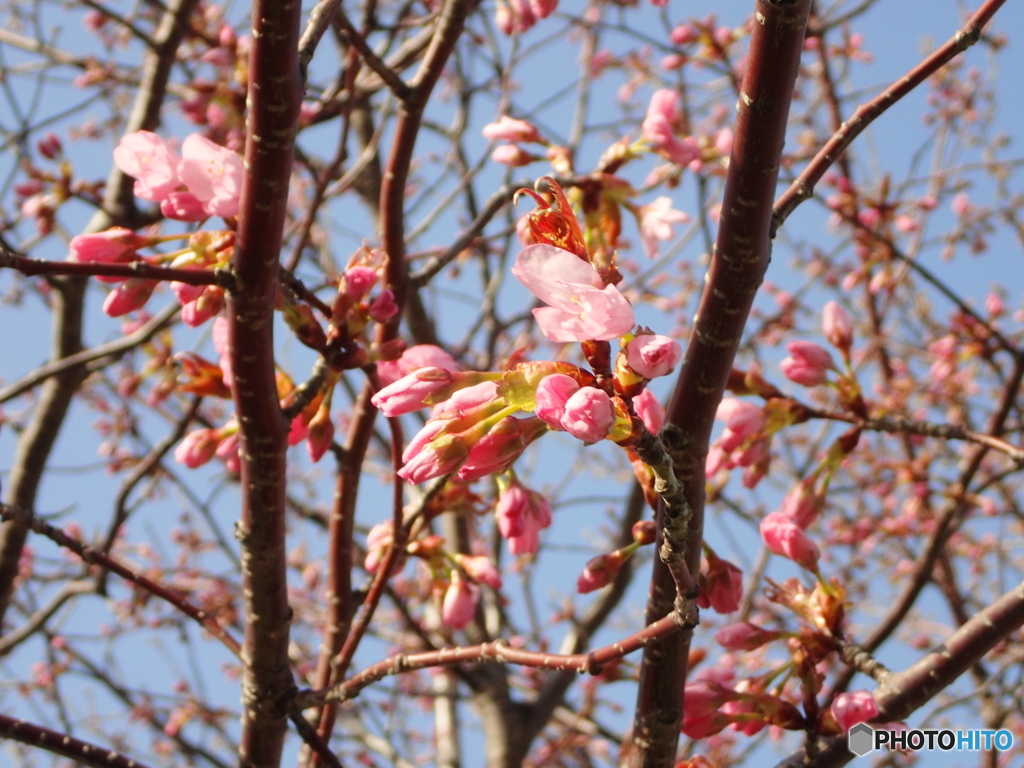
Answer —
861 739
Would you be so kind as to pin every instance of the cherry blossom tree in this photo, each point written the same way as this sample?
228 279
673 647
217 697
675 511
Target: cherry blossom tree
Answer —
383 387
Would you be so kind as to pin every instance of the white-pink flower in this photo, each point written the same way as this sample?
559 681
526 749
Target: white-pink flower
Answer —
154 166
589 414
854 707
213 174
580 307
510 129
656 220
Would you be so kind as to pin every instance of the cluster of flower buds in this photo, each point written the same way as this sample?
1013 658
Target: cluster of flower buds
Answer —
721 583
456 578
521 515
515 132
200 446
709 707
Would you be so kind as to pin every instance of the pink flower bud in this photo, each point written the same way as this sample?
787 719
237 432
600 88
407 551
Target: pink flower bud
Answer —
652 356
358 281
743 421
589 414
49 146
599 572
707 725
649 410
644 532
130 295
412 359
197 448
721 586
684 34
854 707
836 325
512 156
801 505
785 538
705 697
320 435
521 515
414 391
543 8
961 204
481 569
500 447
116 245
509 129
552 394
807 364
183 206
384 307
377 543
744 636
227 452
459 602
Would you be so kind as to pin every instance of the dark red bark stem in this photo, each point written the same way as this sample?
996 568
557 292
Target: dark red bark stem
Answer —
273 101
738 265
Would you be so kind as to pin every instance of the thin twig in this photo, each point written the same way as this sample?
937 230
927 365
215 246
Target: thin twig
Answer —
82 752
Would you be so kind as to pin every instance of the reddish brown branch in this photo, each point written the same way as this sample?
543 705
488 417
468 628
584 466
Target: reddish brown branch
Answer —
136 269
82 752
803 187
738 265
274 95
96 557
498 652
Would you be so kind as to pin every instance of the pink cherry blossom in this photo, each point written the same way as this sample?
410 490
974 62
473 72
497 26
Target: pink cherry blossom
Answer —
551 396
684 34
801 505
744 636
511 130
358 281
854 707
411 392
705 697
383 308
543 8
659 132
459 602
589 414
743 421
500 447
115 245
130 295
836 325
599 572
521 515
197 448
656 220
154 166
320 434
722 586
465 400
649 410
513 156
227 452
481 569
808 364
579 307
419 356
183 206
652 356
785 538
377 543
213 174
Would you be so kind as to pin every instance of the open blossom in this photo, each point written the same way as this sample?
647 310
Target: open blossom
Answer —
786 538
854 707
510 129
580 307
652 356
213 174
808 364
146 157
656 220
